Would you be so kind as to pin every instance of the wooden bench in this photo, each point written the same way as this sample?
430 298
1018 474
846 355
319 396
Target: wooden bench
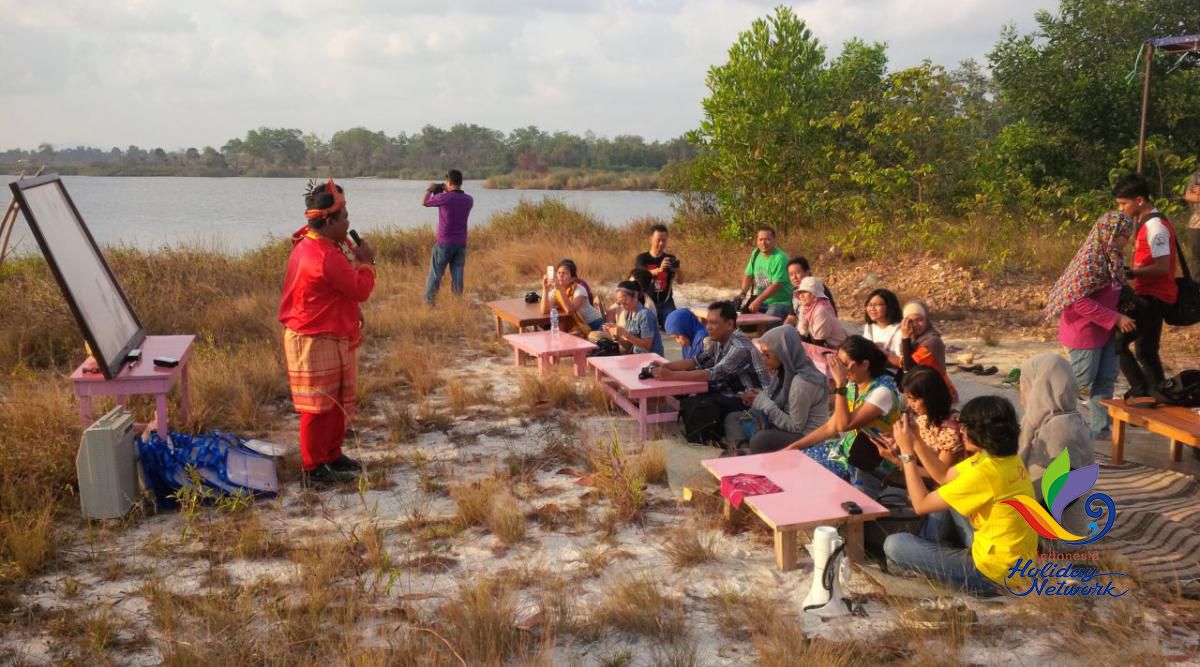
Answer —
812 496
619 377
1181 425
543 346
517 313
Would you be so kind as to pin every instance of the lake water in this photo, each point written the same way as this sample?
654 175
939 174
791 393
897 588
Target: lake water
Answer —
237 214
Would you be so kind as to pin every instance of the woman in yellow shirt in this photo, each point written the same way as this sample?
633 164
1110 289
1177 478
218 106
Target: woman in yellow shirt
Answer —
993 536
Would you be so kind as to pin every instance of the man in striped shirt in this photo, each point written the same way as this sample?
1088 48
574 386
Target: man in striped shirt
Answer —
730 363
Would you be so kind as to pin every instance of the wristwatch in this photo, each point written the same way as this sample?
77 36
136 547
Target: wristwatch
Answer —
840 391
905 458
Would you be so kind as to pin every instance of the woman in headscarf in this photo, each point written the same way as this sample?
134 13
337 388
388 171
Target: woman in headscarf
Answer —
1085 300
921 343
1052 424
817 321
794 404
688 331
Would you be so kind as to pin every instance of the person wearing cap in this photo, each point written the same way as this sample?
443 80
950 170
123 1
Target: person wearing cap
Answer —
636 328
798 269
816 320
319 310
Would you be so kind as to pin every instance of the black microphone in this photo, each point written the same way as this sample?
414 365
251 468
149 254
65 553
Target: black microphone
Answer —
357 239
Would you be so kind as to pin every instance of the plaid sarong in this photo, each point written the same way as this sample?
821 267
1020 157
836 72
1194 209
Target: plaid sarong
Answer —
322 373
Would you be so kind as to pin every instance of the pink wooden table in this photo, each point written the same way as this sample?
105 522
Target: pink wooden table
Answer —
619 376
541 344
517 313
811 496
143 378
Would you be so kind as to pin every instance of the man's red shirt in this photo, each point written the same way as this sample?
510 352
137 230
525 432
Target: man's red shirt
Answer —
322 290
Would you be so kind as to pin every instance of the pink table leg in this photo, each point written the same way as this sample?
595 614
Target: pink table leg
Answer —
580 363
160 404
517 360
85 410
185 405
544 363
643 422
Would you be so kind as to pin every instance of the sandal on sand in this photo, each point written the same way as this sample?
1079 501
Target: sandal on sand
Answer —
939 614
976 369
990 370
1013 378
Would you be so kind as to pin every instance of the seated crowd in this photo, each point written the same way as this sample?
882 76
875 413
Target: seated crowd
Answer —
882 412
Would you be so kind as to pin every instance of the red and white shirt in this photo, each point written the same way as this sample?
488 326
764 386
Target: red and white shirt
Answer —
1155 238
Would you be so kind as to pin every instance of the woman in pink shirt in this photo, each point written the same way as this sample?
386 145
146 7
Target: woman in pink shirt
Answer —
817 321
1085 301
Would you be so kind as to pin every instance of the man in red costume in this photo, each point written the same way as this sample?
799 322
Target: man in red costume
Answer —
320 314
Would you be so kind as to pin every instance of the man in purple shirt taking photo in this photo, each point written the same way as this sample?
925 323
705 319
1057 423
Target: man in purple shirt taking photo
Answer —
454 206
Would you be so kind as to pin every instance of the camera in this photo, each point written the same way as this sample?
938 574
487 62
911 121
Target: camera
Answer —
437 188
532 297
647 373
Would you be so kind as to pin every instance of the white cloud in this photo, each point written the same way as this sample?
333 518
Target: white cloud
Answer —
190 73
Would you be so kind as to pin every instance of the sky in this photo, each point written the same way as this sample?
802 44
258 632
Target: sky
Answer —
193 73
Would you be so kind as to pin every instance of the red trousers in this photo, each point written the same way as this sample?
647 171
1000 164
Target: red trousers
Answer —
321 437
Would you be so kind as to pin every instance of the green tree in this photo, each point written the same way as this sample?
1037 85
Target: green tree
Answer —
1069 77
753 138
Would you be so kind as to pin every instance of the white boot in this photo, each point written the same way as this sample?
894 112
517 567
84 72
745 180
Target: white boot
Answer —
825 597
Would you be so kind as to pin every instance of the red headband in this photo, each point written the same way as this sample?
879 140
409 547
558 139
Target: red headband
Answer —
339 202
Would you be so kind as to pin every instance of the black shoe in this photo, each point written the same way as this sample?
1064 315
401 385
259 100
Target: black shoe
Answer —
326 474
344 463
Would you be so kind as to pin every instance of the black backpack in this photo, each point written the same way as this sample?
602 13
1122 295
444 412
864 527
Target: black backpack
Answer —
1182 390
700 419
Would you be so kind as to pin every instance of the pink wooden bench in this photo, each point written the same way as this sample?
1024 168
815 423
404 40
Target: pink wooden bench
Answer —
619 376
812 496
143 378
541 344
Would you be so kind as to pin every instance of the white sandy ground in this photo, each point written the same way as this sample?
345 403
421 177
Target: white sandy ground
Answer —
471 448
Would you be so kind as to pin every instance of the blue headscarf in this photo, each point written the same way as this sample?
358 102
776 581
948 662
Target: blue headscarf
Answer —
683 322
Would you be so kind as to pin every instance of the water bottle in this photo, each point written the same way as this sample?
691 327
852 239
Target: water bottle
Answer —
554 325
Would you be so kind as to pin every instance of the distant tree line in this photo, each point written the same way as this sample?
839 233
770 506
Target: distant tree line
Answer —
793 138
478 151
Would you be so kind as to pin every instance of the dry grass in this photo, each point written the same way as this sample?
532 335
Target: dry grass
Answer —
556 390
618 479
688 547
638 605
473 500
506 520
741 616
651 463
480 622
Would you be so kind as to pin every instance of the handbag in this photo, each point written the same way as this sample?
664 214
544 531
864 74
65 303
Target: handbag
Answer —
1186 310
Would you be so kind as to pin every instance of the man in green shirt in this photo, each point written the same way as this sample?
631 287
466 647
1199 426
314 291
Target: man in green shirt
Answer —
767 273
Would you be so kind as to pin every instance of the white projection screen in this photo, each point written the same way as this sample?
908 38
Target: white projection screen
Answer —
104 314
